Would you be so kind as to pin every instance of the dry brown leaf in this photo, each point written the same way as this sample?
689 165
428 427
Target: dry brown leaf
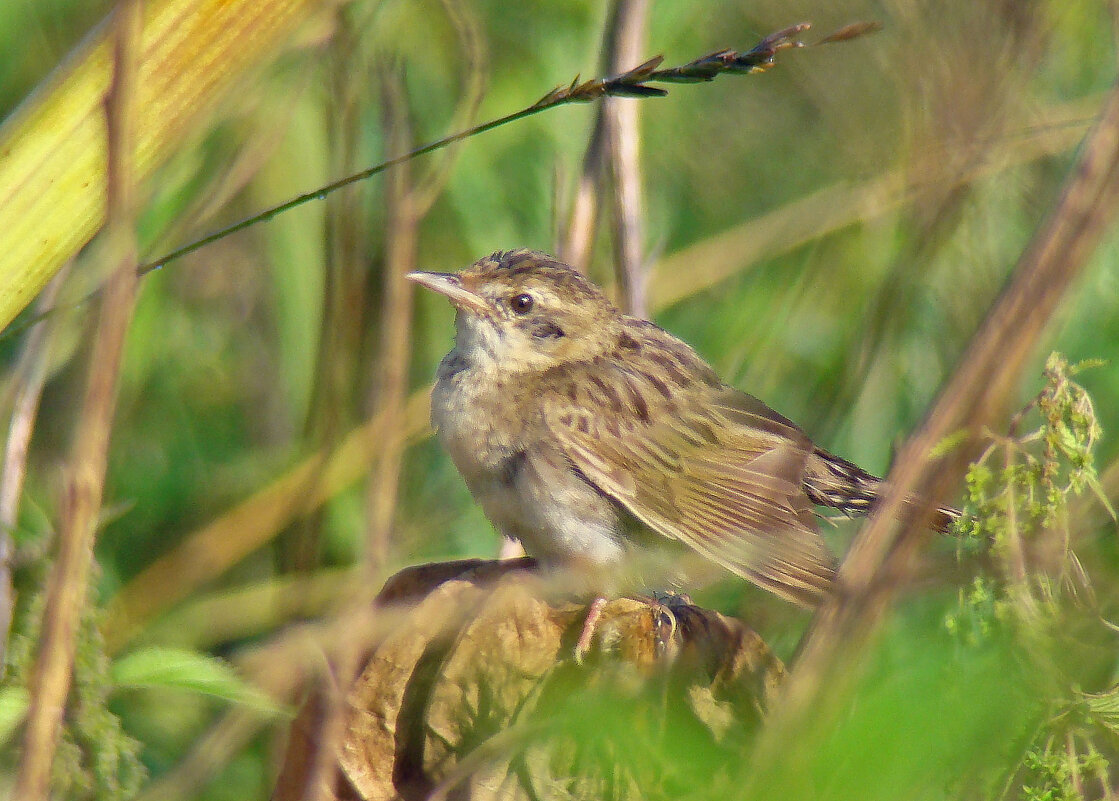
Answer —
473 694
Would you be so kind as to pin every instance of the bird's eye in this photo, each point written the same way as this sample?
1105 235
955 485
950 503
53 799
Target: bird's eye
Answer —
521 304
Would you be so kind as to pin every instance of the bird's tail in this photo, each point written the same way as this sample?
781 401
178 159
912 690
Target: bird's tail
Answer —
833 481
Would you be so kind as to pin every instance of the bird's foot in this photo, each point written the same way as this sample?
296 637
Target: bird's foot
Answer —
590 623
669 598
660 611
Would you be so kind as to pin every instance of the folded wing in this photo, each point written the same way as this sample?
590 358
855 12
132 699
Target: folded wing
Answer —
706 465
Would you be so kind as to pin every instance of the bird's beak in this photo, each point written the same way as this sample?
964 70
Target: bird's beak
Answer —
450 285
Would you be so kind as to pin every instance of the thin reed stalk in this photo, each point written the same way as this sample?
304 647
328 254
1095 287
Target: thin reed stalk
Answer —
624 137
31 375
68 585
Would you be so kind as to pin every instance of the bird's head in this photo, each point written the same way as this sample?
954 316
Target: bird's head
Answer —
526 311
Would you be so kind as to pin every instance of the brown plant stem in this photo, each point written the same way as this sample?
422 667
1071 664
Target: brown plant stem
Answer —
342 667
614 142
978 392
624 137
575 247
332 406
407 203
67 587
394 346
31 375
582 223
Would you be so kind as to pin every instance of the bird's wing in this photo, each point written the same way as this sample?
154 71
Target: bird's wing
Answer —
706 465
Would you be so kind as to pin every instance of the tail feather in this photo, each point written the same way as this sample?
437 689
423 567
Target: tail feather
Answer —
833 481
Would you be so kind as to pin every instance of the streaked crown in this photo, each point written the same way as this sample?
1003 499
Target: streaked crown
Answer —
541 297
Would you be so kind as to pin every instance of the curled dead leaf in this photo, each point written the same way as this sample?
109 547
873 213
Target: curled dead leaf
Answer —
476 694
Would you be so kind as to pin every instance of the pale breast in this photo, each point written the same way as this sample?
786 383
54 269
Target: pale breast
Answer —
538 499
527 488
470 419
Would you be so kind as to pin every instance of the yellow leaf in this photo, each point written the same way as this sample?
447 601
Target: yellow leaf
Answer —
53 151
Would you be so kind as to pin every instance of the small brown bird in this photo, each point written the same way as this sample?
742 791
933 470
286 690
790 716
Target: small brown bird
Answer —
576 427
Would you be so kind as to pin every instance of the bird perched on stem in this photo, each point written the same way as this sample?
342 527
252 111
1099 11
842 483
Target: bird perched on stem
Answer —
579 429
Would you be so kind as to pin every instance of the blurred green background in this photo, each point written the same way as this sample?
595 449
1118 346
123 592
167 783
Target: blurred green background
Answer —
861 205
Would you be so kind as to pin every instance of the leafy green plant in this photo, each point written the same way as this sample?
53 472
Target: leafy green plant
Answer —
96 758
1019 494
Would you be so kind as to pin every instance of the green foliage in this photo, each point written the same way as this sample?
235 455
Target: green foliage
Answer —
96 758
179 669
979 610
1019 491
1019 494
13 708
